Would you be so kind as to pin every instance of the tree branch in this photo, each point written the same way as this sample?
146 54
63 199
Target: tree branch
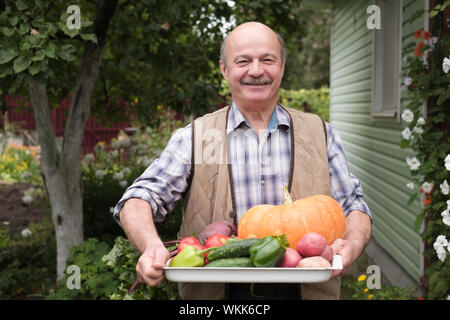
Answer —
87 75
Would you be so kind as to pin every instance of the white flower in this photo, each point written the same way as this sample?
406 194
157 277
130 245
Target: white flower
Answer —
114 154
406 133
89 158
441 253
446 218
441 241
26 233
407 115
410 185
444 187
118 176
123 183
446 65
100 173
421 121
111 209
115 144
27 199
418 130
413 163
448 205
447 161
407 81
439 245
427 187
126 171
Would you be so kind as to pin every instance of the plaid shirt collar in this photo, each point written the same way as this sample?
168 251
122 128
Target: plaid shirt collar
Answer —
279 118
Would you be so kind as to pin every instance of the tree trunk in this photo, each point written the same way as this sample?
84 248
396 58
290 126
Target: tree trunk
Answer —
62 171
66 203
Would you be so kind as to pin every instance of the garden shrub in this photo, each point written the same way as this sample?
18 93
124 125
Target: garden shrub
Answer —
96 279
107 273
27 264
19 164
107 174
123 259
315 101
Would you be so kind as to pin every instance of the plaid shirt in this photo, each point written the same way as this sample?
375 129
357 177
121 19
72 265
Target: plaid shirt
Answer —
260 167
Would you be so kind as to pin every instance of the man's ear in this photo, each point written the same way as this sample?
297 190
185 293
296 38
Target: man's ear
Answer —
223 69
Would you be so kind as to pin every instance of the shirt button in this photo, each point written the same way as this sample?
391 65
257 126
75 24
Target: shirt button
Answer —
263 182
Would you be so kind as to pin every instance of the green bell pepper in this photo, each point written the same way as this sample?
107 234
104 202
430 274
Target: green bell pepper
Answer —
268 251
190 256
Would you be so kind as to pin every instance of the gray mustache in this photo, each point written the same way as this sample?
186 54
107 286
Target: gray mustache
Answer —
256 81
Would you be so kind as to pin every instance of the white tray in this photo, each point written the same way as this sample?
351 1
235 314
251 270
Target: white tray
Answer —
252 275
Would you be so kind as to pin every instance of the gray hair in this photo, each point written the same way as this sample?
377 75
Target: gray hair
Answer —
280 41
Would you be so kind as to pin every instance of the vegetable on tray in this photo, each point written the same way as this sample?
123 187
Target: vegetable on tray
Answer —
190 256
241 262
268 251
233 248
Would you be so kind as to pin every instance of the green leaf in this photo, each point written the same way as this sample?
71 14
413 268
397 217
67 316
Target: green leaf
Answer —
34 69
433 13
50 50
13 20
404 144
23 29
67 52
38 55
89 37
7 55
8 32
412 198
21 64
418 222
21 4
4 71
442 98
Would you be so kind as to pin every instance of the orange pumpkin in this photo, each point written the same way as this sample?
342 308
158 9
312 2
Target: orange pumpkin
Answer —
319 213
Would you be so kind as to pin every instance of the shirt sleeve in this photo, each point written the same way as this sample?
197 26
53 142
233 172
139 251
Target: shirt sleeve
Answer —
345 187
165 180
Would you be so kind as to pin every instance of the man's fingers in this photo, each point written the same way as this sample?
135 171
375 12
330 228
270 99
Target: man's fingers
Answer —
160 260
150 266
337 245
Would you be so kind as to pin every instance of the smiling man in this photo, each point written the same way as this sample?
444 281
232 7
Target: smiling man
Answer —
279 146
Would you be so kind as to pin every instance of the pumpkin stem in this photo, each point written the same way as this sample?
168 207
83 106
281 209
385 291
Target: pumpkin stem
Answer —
287 195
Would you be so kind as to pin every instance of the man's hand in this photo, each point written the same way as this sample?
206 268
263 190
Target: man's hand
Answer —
357 235
349 251
151 263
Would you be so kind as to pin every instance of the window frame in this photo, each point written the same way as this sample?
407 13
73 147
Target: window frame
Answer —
390 115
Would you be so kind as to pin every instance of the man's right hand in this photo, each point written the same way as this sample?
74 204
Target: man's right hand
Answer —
151 263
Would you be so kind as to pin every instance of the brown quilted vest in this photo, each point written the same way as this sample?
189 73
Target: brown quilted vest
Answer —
210 195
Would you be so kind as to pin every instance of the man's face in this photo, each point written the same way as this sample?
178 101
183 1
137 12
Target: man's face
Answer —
253 66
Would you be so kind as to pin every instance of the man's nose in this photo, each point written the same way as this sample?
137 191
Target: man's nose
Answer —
255 68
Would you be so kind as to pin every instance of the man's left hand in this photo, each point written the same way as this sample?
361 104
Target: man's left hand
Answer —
357 235
349 250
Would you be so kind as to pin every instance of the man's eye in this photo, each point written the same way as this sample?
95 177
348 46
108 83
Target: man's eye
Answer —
268 60
242 61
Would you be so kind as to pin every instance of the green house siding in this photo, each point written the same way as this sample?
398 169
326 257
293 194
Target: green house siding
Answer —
372 146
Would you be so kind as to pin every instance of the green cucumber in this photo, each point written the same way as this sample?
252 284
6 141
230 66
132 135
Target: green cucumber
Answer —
241 262
232 249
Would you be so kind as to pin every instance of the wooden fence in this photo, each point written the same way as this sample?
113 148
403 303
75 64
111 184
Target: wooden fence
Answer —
94 131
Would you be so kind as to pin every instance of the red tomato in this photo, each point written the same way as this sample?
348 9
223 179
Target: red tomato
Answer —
188 241
216 240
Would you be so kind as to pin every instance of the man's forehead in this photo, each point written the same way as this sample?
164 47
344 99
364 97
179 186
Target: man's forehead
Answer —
253 37
251 29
